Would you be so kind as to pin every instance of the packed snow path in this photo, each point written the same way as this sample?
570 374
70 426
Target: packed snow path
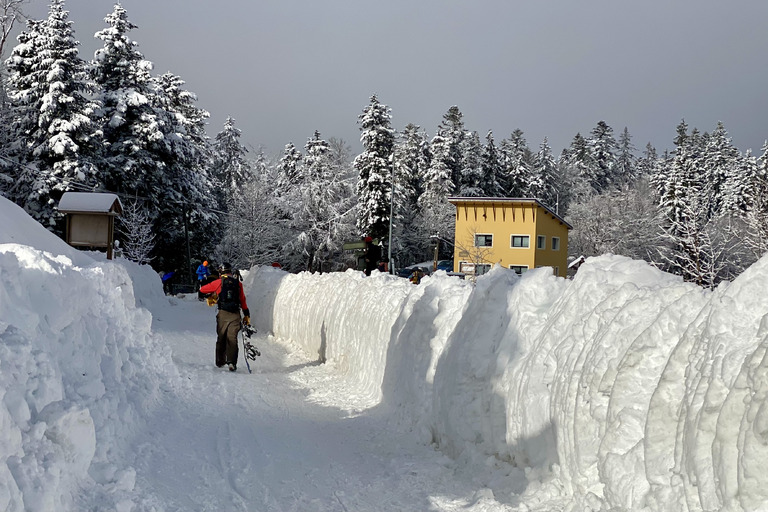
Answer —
253 442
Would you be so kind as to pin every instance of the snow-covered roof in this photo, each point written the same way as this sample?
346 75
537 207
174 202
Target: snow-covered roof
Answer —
577 262
96 202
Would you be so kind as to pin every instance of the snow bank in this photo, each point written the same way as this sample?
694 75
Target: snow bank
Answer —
78 366
622 388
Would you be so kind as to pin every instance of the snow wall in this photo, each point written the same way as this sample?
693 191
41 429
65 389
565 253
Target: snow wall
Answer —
77 362
622 389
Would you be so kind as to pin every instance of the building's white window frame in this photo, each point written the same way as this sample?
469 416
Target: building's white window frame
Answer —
541 241
521 268
483 235
555 243
482 268
512 238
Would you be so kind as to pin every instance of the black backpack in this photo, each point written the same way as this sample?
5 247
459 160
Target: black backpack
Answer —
229 295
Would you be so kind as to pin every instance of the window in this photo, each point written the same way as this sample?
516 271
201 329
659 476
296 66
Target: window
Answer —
519 269
541 242
482 268
555 243
522 241
483 240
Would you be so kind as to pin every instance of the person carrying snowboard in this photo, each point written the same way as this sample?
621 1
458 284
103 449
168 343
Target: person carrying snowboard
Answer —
230 299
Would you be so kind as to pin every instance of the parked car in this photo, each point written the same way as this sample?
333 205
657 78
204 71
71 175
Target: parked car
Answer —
446 265
407 271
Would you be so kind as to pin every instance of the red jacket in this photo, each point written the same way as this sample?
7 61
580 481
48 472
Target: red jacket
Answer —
215 287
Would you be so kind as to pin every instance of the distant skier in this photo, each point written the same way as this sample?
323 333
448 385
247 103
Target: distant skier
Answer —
168 281
231 299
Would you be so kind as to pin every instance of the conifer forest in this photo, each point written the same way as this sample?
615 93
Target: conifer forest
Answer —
108 124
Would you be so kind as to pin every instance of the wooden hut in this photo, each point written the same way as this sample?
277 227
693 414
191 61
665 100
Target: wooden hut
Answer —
90 219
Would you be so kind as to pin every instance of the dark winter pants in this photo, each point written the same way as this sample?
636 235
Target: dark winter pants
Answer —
227 327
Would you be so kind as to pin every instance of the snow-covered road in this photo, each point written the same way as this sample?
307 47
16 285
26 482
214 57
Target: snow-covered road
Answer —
255 442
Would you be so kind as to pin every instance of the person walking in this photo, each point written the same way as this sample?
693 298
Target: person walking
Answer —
372 255
203 273
168 282
203 276
231 300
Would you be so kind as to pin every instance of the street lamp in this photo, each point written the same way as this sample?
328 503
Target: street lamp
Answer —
436 238
391 214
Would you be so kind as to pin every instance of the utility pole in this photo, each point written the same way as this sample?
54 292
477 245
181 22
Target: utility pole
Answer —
188 269
391 214
437 252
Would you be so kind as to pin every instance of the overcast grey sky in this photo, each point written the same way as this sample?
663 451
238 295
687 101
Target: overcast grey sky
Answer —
285 68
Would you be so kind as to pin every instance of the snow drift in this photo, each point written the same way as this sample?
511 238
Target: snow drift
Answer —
622 388
72 371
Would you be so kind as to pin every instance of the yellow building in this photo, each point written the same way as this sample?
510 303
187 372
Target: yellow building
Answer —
519 234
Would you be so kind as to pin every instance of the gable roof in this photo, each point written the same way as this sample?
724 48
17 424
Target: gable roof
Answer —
509 201
89 202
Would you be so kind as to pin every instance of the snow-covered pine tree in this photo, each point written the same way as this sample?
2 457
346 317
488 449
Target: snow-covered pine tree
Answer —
60 141
289 170
452 131
132 129
186 187
323 220
680 183
471 173
699 247
230 172
603 157
436 214
437 183
230 165
25 91
757 207
626 161
738 188
491 179
543 177
648 162
721 163
374 168
411 160
516 163
572 185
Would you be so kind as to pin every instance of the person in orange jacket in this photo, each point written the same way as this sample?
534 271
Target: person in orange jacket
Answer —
230 299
